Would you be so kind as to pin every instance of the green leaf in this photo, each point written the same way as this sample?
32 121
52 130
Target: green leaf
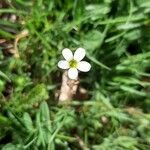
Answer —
9 147
45 114
4 76
92 40
40 137
28 122
43 124
4 121
37 94
95 12
6 34
132 90
97 62
78 10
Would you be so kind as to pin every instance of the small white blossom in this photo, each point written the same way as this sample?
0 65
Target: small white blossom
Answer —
73 62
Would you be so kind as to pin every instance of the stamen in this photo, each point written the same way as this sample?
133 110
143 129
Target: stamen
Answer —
73 63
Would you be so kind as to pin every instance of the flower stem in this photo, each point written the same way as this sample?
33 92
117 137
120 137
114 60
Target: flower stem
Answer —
68 88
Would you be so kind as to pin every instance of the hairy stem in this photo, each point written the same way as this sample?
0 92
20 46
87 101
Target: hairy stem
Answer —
68 88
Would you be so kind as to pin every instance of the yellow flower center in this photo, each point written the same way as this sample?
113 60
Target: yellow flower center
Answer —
73 63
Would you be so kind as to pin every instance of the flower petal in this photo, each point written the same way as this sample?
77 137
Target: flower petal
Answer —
73 73
67 54
63 64
83 66
79 54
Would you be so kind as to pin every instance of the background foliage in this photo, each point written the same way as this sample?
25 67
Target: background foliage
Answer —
116 114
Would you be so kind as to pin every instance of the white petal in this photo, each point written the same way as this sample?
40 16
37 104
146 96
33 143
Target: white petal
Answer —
73 73
83 66
63 64
79 54
67 54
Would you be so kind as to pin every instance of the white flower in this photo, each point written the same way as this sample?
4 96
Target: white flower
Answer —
73 62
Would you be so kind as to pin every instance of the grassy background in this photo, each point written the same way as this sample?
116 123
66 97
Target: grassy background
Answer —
116 36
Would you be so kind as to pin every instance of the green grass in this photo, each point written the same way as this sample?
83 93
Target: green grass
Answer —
116 114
